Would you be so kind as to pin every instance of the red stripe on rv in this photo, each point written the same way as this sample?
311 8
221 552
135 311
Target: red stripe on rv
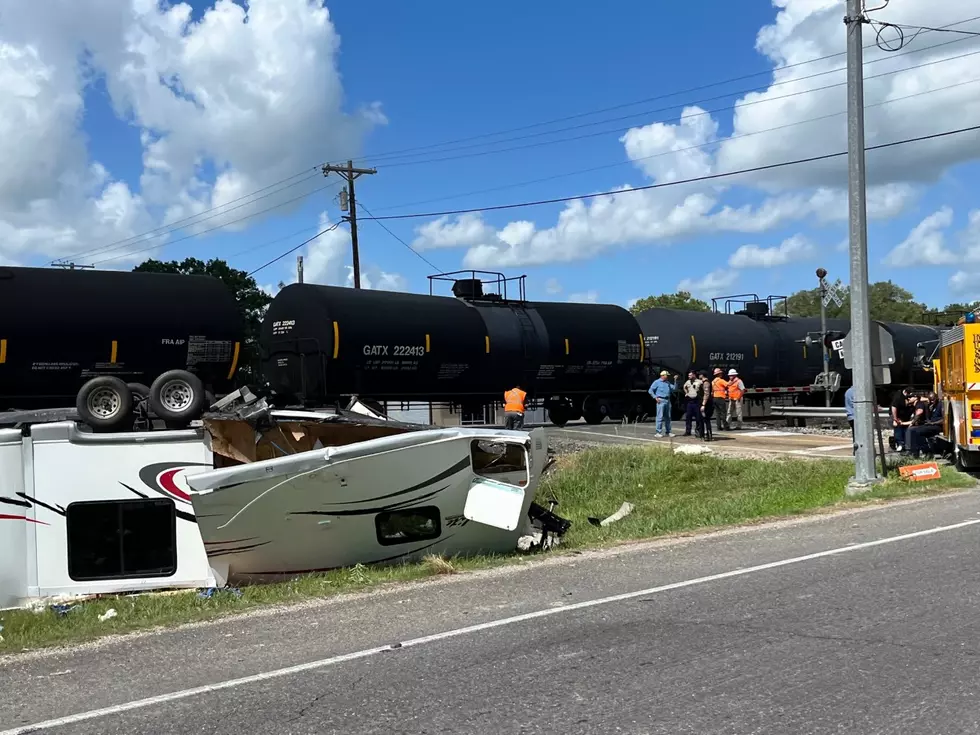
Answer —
5 517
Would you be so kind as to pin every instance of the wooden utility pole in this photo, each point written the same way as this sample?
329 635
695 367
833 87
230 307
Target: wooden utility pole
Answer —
299 268
350 173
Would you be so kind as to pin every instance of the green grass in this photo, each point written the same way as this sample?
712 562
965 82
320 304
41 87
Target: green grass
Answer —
671 494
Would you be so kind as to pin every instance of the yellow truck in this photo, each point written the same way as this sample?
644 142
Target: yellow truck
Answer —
956 377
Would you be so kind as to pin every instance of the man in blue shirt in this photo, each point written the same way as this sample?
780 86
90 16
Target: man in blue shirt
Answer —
661 390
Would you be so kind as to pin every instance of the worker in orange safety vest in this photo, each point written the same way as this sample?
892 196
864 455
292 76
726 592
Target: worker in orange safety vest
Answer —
719 393
736 389
514 408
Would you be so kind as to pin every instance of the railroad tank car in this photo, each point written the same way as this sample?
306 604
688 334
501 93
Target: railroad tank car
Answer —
321 343
61 328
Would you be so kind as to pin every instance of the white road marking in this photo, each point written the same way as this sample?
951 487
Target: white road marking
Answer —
334 660
833 448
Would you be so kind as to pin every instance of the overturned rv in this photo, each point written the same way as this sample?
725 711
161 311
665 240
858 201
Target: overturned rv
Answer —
254 496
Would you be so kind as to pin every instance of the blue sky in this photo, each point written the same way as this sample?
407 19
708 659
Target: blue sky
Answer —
443 71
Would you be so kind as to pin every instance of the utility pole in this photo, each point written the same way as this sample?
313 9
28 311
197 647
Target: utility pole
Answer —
350 173
821 274
71 266
864 403
299 268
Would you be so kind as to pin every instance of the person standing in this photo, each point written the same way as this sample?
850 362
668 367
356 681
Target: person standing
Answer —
514 408
849 410
736 389
692 403
719 394
661 390
707 405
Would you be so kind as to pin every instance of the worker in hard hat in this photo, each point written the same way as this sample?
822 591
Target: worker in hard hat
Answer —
661 390
719 395
514 408
736 389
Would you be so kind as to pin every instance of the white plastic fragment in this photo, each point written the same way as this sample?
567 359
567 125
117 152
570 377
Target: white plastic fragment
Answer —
107 615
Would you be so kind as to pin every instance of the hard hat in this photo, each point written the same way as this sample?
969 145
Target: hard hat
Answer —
664 372
733 371
717 371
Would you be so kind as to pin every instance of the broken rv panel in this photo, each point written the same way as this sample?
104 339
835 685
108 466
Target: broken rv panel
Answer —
298 497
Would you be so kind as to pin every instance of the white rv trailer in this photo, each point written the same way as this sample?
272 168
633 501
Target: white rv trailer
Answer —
84 513
349 497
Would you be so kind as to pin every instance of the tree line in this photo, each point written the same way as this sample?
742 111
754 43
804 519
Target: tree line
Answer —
887 301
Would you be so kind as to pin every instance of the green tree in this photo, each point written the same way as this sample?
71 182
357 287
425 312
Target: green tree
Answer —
887 301
252 301
679 300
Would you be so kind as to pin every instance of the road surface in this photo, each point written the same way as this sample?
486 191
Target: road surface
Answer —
764 441
859 623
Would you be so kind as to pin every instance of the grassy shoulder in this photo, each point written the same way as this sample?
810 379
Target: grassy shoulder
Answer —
670 494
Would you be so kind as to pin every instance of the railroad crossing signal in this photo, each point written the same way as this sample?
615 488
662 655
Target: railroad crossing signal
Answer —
834 293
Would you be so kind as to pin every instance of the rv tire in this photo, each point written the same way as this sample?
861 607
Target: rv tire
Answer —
177 396
104 403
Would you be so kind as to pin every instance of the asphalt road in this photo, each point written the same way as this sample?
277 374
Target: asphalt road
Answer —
861 623
754 441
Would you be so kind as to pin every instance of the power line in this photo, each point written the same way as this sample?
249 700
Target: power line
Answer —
879 26
738 105
428 147
665 184
293 250
676 150
412 250
670 108
170 227
218 227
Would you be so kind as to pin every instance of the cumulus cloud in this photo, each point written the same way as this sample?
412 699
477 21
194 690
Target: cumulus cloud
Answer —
584 297
326 261
791 250
225 105
712 284
552 286
793 118
925 244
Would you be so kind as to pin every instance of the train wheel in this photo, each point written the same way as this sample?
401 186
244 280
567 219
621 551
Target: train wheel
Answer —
558 414
141 406
177 396
104 403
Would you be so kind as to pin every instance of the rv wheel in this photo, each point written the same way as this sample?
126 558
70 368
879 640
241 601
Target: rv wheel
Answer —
177 396
104 402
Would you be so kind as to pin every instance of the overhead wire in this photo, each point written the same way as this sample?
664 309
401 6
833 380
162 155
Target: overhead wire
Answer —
879 26
737 105
279 257
633 161
171 226
412 250
428 147
130 253
197 218
666 184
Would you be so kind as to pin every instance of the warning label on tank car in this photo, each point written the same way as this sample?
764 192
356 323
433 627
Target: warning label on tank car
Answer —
627 351
451 370
54 366
203 350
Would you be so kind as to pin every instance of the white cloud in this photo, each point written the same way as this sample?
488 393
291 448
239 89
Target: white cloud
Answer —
712 284
926 243
253 95
791 250
584 297
965 284
326 260
970 237
692 147
552 286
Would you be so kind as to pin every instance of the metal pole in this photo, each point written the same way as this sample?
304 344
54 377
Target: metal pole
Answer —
299 268
823 340
864 456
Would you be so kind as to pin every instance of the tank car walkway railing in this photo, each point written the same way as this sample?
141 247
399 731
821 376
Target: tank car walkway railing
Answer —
818 412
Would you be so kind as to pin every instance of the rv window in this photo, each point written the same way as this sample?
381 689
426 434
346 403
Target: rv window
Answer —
406 526
117 539
502 461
